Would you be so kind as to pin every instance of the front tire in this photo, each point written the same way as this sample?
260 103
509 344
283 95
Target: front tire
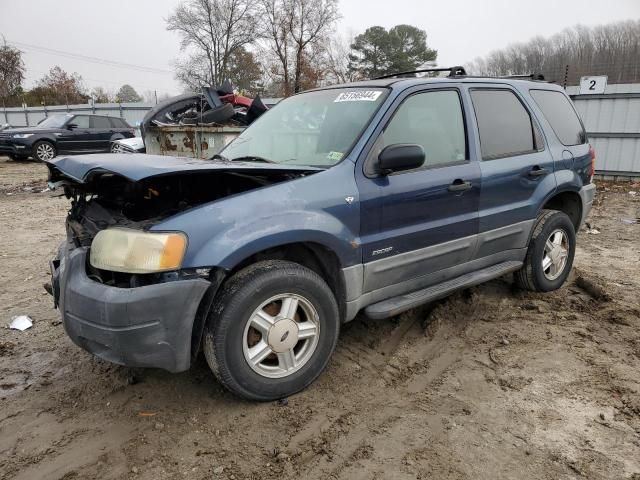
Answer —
44 150
272 330
116 148
550 254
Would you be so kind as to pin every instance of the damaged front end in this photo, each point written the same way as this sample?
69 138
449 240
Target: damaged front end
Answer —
122 290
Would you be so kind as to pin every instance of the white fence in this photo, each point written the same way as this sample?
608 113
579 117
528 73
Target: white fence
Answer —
612 121
133 113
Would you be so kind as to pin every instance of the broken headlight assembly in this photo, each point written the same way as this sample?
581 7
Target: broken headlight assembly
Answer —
134 251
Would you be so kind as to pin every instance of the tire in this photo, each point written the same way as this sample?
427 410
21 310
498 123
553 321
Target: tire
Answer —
44 150
555 227
230 332
116 148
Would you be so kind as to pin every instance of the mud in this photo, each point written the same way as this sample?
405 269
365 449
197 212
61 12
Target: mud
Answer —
490 383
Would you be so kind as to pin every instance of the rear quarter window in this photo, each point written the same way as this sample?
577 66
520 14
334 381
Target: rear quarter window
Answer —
559 112
118 123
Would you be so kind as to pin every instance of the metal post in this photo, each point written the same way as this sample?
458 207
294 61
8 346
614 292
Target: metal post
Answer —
566 76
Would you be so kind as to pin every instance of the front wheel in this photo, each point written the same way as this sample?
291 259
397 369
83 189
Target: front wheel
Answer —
43 151
550 254
116 148
272 330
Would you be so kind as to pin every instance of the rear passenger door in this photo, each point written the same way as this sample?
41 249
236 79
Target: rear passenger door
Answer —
517 170
417 222
101 131
569 148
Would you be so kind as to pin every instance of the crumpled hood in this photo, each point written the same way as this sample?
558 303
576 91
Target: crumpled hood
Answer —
137 167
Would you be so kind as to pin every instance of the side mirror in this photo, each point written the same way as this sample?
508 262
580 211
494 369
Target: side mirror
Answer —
400 156
71 126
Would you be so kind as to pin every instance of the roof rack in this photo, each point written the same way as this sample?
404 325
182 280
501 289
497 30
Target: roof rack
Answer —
530 76
453 72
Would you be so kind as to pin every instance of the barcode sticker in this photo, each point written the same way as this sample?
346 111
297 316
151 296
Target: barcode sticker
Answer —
359 96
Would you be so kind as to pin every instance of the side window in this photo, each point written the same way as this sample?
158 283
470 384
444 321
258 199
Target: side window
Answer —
100 122
560 114
431 119
504 124
82 121
117 123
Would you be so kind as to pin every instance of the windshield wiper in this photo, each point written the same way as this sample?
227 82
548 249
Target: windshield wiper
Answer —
252 158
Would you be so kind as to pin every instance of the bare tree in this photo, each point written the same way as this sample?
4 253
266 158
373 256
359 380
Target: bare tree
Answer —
293 32
211 32
337 60
612 50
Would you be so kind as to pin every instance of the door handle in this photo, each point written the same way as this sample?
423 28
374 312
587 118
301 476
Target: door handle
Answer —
538 172
459 186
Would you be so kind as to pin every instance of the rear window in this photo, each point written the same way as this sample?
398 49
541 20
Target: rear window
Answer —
504 124
560 114
118 123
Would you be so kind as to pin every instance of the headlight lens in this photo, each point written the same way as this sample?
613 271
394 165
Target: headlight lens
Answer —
133 251
22 135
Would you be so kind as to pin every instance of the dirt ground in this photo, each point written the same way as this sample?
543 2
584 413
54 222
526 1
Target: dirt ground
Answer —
491 383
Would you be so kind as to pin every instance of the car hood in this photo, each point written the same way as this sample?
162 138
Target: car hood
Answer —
136 167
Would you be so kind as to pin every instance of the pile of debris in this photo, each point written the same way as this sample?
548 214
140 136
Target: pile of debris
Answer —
212 107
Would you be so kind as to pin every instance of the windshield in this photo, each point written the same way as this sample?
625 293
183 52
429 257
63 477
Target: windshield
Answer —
54 121
315 128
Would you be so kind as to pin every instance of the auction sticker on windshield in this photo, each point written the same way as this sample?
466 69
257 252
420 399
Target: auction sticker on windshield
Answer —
359 96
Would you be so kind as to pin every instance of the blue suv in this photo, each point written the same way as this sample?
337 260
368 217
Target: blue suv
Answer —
374 196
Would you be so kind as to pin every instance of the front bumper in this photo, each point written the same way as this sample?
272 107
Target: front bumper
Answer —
147 326
15 147
587 194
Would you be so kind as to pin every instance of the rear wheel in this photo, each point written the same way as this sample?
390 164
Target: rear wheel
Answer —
273 329
44 151
550 255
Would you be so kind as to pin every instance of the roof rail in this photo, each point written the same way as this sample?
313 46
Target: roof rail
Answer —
453 72
530 76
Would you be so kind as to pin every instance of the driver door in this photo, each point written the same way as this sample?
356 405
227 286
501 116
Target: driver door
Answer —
421 221
76 139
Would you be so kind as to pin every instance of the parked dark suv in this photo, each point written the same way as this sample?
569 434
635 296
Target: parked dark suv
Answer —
64 133
375 196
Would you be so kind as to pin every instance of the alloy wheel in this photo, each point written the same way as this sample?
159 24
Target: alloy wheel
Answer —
556 253
45 151
281 335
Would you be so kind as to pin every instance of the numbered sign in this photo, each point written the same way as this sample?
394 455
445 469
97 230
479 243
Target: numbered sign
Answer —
593 85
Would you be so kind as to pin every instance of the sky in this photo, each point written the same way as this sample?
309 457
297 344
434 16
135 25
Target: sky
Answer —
133 31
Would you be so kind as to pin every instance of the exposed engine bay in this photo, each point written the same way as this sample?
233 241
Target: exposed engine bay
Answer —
111 200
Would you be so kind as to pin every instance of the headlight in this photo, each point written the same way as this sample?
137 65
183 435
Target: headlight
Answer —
134 251
22 135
